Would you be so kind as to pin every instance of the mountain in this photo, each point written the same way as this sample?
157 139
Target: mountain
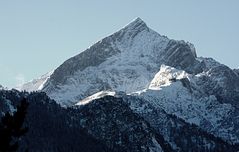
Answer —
124 61
156 76
127 61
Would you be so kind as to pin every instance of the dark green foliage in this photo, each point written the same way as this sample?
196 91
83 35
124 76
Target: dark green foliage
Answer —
51 127
11 128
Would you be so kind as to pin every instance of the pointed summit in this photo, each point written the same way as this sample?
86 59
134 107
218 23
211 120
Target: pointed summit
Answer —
138 20
137 24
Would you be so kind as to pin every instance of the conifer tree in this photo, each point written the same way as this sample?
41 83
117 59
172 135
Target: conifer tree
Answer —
11 128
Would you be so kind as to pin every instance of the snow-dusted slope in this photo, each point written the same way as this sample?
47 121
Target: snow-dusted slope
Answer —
95 96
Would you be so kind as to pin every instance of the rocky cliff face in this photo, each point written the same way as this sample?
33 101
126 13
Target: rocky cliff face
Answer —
219 80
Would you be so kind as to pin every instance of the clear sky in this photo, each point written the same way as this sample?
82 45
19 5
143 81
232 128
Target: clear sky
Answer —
37 36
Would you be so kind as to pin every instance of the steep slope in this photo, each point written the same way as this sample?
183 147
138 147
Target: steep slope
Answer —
124 61
219 80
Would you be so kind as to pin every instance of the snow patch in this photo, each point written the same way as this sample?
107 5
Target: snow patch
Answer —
166 76
94 97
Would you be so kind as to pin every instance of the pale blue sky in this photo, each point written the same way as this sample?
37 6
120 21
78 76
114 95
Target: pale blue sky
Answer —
37 36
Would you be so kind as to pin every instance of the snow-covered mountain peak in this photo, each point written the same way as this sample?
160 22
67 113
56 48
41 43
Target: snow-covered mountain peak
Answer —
124 61
138 19
166 76
136 24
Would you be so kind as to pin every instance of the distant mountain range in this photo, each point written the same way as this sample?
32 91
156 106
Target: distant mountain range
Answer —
137 90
